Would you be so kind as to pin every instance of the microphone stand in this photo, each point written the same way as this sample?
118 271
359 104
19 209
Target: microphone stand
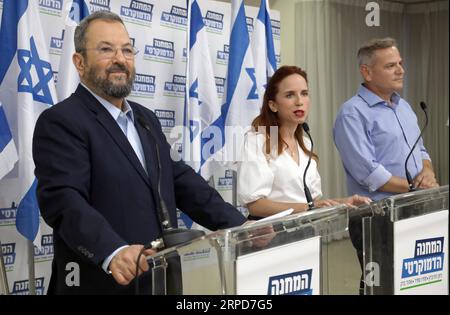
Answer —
408 175
171 236
308 196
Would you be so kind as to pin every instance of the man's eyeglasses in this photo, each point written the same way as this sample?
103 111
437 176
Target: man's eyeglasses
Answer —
107 52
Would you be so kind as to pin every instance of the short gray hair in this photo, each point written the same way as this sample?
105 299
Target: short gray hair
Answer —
81 30
365 53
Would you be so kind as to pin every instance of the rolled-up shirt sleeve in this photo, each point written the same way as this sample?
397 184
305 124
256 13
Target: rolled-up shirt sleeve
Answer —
357 152
377 178
255 178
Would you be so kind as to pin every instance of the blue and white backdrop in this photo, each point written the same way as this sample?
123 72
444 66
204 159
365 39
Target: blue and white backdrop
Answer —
160 31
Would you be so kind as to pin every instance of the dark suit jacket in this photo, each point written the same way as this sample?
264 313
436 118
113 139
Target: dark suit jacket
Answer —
94 193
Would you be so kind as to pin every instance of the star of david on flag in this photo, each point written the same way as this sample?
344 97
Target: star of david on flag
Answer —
29 59
26 89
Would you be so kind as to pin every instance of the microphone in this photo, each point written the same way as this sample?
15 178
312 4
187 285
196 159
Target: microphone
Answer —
408 175
163 212
171 236
309 199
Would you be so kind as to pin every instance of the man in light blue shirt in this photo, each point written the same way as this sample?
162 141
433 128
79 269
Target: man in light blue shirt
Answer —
375 130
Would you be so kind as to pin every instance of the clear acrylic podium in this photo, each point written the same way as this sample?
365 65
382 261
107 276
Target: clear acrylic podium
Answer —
306 253
405 243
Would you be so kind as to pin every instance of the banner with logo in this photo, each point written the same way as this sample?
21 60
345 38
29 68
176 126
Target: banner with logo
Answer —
291 269
159 31
14 249
421 255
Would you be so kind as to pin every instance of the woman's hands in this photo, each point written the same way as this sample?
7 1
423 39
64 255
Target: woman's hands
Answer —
352 201
322 203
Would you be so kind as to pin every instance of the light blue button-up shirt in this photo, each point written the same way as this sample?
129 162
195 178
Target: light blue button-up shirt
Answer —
374 139
125 119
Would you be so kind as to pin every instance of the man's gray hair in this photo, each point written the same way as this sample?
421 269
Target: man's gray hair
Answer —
81 30
366 52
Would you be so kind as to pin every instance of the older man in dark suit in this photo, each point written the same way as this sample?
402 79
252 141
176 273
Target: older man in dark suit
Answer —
97 170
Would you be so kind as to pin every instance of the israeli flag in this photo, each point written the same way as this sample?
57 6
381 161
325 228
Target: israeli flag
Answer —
26 89
8 152
203 104
263 48
242 101
64 88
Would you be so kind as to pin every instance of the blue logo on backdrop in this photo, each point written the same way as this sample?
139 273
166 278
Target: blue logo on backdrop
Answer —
45 253
428 258
9 255
249 21
138 12
223 55
99 5
56 44
296 283
220 84
161 51
21 287
213 21
55 76
8 215
178 147
177 87
184 57
275 28
143 86
51 7
176 18
225 182
43 70
166 117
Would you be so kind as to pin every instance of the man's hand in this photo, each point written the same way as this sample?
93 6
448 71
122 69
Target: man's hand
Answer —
357 200
123 265
425 179
352 201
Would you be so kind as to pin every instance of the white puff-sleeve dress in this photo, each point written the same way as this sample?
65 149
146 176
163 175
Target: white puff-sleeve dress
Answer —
277 178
